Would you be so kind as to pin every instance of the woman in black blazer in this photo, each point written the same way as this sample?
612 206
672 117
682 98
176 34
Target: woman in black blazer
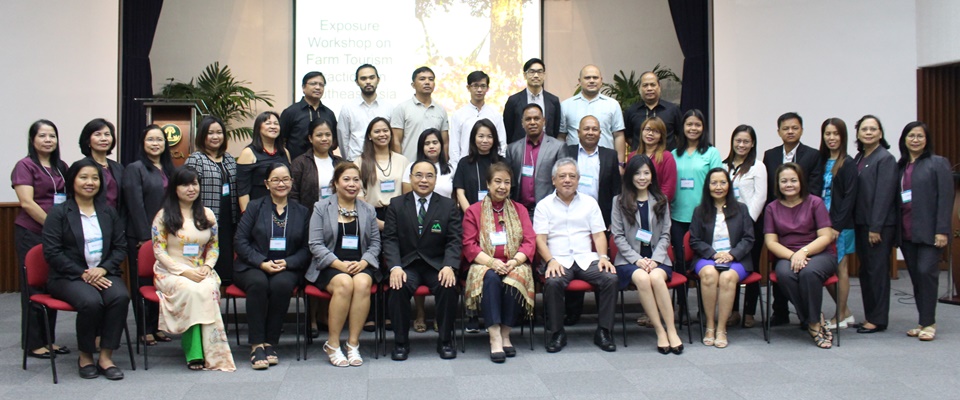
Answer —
312 171
721 237
345 244
839 195
272 253
97 140
875 221
84 243
925 204
144 182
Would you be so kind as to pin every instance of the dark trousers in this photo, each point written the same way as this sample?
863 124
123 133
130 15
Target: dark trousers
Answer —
26 240
500 304
605 290
99 312
677 231
921 260
421 273
752 292
268 299
224 266
152 309
805 288
875 273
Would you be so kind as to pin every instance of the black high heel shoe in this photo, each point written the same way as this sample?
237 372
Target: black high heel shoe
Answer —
663 350
677 350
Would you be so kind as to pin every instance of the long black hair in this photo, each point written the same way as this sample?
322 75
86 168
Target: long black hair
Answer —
368 157
74 170
825 151
474 155
905 152
703 144
751 157
172 219
883 140
706 208
442 157
628 192
32 151
257 140
166 162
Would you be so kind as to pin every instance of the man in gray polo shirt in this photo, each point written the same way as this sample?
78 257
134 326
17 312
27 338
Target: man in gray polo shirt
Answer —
412 117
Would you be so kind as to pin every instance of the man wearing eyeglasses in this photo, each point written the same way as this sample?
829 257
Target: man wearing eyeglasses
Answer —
421 246
462 122
535 74
295 119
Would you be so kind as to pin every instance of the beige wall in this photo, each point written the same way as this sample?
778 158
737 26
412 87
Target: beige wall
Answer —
255 38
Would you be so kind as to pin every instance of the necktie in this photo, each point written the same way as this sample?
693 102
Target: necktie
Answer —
421 215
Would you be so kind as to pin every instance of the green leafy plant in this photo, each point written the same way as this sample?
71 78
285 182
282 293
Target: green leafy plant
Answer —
219 93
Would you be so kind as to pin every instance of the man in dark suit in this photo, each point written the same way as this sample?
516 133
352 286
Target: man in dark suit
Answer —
535 74
652 106
600 179
421 246
790 129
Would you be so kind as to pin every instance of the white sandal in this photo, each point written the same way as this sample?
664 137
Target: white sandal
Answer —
353 355
336 358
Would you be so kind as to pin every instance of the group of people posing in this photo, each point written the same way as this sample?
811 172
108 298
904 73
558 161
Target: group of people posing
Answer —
545 194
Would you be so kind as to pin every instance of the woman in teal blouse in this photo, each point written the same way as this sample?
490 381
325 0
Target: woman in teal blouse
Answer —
695 156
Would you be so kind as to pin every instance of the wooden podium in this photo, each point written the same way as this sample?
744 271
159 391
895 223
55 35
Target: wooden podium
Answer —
178 120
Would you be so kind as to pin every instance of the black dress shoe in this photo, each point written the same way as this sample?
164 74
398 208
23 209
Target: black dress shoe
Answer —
779 319
498 357
473 325
43 356
400 352
557 342
447 351
89 371
677 350
62 350
875 329
112 372
510 351
603 339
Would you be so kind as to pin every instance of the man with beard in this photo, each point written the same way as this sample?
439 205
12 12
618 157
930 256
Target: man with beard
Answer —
356 115
295 119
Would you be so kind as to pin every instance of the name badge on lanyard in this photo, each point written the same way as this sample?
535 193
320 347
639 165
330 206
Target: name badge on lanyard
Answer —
586 181
325 192
95 245
191 249
644 235
722 245
278 244
388 186
527 170
498 238
906 196
481 195
736 193
350 242
686 183
226 189
59 198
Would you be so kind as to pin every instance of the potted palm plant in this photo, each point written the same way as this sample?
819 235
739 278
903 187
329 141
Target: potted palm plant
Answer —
219 93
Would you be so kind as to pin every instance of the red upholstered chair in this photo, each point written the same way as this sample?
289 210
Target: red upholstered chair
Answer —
35 275
310 290
832 280
145 262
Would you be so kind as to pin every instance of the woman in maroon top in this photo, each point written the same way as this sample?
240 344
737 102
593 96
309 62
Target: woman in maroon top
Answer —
499 242
38 181
653 143
97 140
797 232
925 203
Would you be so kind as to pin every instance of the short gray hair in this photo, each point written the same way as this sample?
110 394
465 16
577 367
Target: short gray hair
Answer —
562 162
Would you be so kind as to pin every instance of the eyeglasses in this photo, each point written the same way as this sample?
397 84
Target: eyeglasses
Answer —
534 72
418 176
277 181
478 86
650 130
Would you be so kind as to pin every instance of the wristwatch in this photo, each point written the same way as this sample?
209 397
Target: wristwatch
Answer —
606 256
806 250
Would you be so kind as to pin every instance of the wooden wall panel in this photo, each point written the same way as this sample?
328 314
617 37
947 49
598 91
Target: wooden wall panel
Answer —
9 270
938 105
